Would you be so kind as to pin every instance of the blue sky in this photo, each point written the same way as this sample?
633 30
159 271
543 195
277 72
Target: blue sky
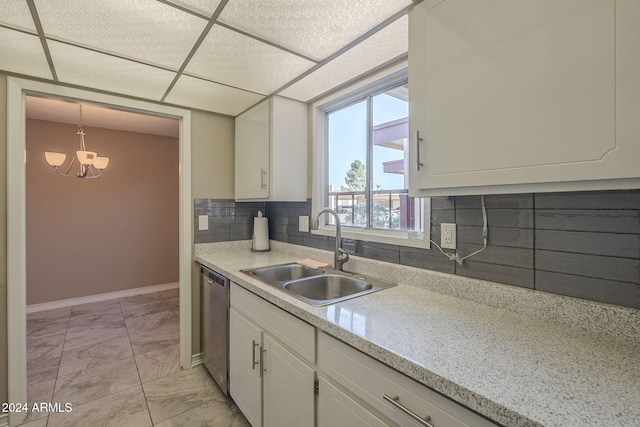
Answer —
347 136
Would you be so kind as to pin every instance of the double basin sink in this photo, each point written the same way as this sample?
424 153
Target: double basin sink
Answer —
317 286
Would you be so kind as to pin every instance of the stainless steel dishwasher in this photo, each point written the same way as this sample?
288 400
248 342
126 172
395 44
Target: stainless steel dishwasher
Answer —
215 326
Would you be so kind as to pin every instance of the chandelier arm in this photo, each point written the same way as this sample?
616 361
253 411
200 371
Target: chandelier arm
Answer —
66 176
93 174
73 159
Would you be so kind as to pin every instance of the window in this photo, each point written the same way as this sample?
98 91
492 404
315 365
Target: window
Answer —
365 156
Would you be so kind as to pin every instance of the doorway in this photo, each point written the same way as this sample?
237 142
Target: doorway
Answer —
17 89
99 236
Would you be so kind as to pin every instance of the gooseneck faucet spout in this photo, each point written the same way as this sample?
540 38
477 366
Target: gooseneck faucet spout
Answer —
340 256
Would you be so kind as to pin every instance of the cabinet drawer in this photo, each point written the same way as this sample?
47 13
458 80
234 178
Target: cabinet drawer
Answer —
370 380
291 331
336 408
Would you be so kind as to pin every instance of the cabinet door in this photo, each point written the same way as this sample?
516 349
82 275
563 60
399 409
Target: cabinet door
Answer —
335 408
521 92
253 139
288 388
245 382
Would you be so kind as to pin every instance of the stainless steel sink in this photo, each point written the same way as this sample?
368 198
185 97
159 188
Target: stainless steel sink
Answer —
318 287
327 287
284 273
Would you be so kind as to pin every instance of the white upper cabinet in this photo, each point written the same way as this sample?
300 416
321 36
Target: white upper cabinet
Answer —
271 151
521 95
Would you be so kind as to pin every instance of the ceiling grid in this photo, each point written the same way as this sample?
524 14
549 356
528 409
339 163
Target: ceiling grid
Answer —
221 56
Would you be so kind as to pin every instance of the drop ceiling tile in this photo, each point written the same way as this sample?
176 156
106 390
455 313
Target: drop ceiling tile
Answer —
316 28
96 70
198 93
383 46
146 30
22 53
204 7
16 14
228 57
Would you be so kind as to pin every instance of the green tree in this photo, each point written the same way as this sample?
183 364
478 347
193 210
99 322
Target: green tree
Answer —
356 178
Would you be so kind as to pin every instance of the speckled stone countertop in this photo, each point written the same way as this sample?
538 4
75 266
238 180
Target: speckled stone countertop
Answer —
518 357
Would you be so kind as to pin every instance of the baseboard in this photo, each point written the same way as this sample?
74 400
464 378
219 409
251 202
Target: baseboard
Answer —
33 308
196 359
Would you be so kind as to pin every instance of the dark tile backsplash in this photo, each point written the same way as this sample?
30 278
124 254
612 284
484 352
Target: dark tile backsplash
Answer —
585 244
228 220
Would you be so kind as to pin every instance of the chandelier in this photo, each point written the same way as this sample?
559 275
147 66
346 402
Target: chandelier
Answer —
88 160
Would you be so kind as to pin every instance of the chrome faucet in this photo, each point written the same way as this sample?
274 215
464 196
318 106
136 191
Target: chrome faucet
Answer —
340 256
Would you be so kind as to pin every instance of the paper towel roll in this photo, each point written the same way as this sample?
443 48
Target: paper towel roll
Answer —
260 233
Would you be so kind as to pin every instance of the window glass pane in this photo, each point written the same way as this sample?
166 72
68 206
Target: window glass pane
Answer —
349 137
347 154
390 137
392 208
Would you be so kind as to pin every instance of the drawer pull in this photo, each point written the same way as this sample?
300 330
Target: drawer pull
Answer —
395 401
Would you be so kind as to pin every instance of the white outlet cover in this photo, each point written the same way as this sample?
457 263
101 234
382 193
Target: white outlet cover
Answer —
203 222
448 235
303 223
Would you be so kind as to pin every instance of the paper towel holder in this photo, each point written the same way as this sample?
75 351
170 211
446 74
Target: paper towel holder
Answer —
253 243
266 231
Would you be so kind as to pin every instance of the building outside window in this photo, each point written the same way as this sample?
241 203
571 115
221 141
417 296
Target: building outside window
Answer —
367 154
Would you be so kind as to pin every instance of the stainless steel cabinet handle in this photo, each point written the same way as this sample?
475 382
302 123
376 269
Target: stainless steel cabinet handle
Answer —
262 361
262 174
395 401
253 355
418 162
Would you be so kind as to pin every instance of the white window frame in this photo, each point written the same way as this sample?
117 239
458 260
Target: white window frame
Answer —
319 109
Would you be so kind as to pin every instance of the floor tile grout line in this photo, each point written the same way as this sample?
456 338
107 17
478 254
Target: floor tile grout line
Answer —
64 342
135 361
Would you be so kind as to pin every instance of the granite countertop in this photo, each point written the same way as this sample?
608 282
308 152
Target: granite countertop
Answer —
518 357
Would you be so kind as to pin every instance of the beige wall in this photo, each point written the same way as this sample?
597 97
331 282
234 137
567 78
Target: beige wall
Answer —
93 236
3 238
212 155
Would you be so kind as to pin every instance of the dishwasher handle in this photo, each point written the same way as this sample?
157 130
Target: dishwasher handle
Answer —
214 277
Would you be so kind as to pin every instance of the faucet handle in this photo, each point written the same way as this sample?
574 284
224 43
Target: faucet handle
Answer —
343 257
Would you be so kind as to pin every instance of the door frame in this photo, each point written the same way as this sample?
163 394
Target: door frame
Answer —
17 89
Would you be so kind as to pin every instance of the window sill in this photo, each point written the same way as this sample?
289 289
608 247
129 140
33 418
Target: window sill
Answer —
400 238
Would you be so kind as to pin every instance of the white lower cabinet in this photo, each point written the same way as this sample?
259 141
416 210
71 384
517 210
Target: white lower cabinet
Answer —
407 403
336 408
288 387
272 386
245 377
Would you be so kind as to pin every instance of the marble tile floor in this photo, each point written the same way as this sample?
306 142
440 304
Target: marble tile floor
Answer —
116 363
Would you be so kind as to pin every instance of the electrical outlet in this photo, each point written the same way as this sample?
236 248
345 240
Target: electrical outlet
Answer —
448 235
303 223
